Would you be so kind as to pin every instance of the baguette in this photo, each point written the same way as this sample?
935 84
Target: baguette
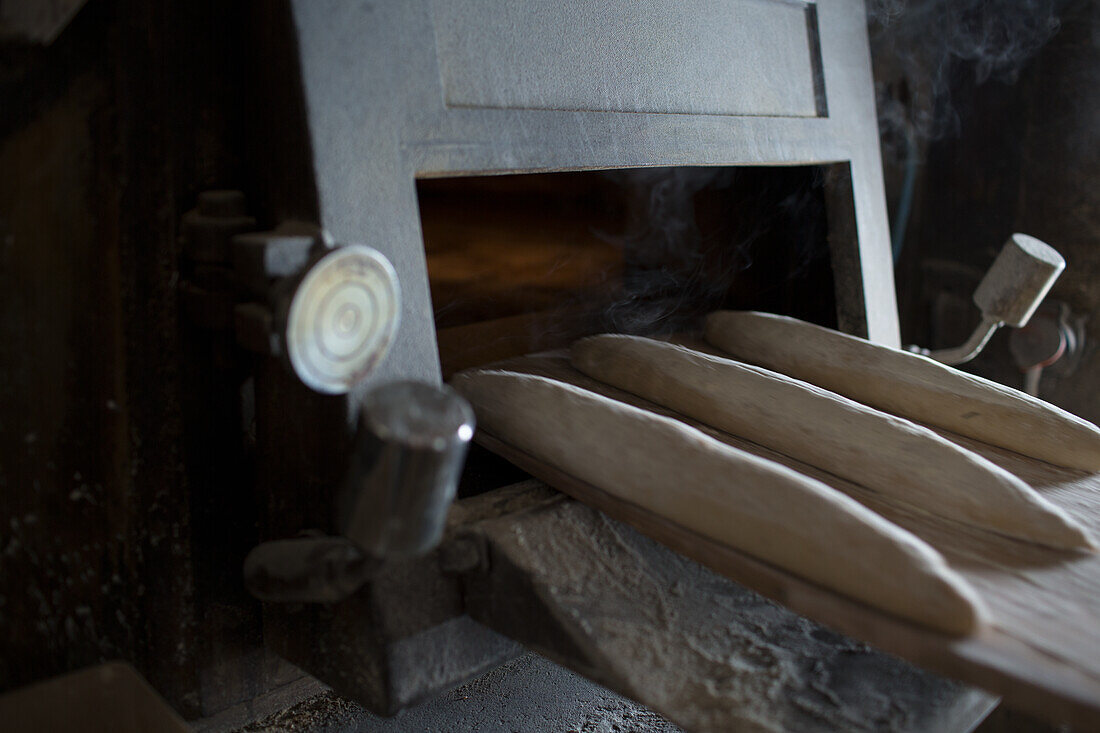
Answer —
730 496
908 385
887 454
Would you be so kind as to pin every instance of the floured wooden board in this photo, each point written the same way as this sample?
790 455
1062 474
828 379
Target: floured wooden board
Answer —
1042 648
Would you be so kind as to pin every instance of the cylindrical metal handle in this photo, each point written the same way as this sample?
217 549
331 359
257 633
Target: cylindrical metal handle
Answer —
409 454
1018 280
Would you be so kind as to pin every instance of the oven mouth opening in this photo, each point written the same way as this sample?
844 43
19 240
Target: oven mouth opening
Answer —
524 263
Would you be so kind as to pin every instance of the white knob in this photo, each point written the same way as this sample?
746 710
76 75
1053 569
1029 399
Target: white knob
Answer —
342 318
1018 280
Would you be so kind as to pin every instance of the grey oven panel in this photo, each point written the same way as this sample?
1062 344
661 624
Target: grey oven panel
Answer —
671 56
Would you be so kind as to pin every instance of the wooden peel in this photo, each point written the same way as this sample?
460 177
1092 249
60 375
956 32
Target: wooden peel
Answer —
724 494
1041 650
884 453
908 385
993 659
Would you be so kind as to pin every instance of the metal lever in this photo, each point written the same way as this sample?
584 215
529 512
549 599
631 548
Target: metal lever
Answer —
1011 290
402 479
409 454
1047 339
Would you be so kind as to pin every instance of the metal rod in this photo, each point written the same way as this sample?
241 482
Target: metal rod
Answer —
973 345
968 350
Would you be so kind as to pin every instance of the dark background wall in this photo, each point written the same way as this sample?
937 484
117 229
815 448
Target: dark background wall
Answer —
992 109
106 135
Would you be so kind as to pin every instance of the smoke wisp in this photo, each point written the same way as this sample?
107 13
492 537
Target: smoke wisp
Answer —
691 230
920 45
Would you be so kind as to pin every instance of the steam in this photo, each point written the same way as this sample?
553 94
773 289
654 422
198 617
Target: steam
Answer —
664 251
918 46
920 49
674 272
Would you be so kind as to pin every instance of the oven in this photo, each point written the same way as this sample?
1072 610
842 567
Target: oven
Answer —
534 173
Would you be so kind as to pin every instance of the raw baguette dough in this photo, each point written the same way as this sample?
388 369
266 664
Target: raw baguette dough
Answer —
853 441
909 385
723 493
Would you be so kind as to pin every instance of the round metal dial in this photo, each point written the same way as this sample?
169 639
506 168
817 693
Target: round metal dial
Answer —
342 318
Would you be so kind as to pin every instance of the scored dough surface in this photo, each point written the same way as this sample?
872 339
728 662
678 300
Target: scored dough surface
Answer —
879 451
908 385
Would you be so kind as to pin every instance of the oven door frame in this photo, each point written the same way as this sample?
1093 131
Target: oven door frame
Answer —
377 118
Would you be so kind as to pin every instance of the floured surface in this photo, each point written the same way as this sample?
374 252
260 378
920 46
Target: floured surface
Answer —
710 654
1044 604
